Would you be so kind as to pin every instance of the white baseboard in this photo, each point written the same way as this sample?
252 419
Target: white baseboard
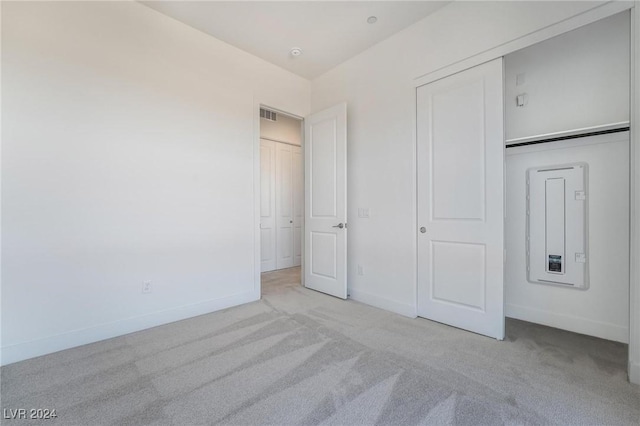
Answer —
21 351
634 373
404 309
580 325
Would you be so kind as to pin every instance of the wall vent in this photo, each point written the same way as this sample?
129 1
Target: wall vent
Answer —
268 115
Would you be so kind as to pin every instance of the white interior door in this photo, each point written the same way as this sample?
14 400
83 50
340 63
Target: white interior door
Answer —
267 205
284 206
461 200
325 229
298 205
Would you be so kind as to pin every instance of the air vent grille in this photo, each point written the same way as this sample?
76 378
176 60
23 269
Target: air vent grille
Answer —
268 115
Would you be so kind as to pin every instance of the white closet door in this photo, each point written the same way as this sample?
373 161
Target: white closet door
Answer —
284 206
267 205
298 205
461 200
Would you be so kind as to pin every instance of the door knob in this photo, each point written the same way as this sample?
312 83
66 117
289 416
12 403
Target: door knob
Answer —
340 225
423 229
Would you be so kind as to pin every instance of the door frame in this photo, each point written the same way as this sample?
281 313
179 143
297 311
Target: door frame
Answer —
592 15
257 284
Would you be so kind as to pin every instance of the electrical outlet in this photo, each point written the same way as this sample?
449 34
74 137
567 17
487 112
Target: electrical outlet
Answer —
146 286
360 270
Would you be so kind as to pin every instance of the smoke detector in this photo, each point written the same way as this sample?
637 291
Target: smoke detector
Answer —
296 51
372 19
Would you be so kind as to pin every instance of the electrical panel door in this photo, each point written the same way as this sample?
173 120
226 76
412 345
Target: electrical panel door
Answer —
557 239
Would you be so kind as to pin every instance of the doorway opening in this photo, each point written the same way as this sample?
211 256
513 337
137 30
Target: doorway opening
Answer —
308 228
281 198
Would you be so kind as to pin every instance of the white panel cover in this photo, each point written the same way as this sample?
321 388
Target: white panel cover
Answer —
557 225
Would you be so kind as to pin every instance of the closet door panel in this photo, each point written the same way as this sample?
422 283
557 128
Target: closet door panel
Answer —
267 205
284 206
298 205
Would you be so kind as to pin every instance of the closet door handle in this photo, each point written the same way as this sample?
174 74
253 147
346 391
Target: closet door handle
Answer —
340 225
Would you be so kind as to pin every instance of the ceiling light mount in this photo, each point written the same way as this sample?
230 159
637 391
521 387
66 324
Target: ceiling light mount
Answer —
372 19
295 52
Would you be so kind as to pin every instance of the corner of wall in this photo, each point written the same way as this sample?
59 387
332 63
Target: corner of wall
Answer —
1 188
634 306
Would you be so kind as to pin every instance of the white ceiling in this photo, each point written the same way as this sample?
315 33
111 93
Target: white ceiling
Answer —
328 32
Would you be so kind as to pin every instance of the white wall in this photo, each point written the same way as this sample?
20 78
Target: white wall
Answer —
603 309
576 80
128 155
378 87
285 129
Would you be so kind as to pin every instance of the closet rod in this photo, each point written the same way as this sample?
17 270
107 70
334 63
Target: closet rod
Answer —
563 138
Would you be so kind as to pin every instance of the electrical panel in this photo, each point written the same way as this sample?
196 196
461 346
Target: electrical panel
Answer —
557 224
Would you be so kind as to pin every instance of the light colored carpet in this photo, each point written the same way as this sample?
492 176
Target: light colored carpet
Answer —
301 357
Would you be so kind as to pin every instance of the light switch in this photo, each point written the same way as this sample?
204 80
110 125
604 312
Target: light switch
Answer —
363 212
521 100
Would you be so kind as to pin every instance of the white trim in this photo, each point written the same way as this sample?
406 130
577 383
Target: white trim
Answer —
634 287
565 133
257 285
592 15
304 204
0 187
580 325
47 345
414 202
404 309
